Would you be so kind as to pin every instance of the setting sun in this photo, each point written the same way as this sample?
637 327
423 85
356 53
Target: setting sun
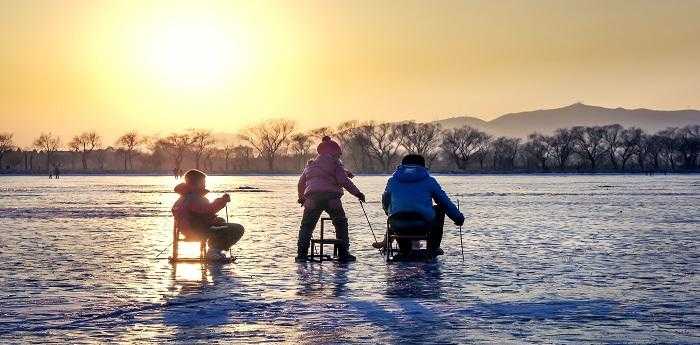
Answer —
194 53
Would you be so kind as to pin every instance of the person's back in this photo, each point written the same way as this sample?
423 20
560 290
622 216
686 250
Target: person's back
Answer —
411 190
193 211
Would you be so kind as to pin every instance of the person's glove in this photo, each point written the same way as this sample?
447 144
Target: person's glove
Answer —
226 197
460 221
361 197
301 200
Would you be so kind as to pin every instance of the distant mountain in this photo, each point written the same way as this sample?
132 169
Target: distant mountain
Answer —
578 114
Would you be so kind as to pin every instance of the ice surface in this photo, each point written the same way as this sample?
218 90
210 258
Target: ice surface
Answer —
549 259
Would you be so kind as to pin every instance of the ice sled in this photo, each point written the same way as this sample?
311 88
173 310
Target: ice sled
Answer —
406 228
202 250
321 241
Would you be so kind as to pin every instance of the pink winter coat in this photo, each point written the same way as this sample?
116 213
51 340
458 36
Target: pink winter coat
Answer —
193 212
325 174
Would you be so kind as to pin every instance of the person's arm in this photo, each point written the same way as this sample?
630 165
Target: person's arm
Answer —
386 197
301 187
349 173
342 178
202 206
444 201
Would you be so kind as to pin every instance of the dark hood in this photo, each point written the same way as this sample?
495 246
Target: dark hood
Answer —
410 173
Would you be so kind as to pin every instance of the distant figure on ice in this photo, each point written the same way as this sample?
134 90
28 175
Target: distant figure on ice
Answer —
56 172
176 173
409 192
197 219
320 189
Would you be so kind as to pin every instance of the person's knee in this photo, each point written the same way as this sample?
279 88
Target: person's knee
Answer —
340 222
238 228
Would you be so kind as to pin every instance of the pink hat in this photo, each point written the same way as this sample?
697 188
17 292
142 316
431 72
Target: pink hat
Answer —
328 147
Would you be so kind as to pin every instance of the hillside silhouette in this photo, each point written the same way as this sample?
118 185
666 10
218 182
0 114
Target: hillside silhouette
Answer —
578 114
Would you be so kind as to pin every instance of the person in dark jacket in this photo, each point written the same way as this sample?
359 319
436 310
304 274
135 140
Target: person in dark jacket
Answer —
197 219
320 188
411 189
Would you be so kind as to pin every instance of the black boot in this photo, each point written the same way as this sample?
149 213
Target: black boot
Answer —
301 258
346 257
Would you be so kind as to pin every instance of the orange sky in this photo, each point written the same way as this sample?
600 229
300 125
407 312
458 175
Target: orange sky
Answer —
162 66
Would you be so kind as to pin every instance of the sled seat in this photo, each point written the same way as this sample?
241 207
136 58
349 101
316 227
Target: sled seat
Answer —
321 241
405 227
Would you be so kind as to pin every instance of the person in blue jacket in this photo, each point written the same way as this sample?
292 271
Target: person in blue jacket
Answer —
411 189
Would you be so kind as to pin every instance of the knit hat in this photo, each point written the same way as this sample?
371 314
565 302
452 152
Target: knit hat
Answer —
328 147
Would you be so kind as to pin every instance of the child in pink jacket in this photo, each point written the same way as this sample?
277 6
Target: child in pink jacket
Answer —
320 189
197 219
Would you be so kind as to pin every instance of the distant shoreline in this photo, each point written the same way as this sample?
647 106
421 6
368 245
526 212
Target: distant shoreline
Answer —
440 173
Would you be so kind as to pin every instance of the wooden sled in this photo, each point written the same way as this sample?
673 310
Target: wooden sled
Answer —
202 250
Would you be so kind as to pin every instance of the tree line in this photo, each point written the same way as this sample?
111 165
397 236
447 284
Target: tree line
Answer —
369 147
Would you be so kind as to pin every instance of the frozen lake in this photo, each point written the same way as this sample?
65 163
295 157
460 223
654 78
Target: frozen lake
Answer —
549 259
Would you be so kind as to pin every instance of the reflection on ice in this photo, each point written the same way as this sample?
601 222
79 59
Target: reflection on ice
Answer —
561 259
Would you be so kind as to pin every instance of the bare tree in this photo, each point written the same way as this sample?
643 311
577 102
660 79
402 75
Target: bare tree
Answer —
420 138
29 154
381 142
589 143
321 132
227 152
6 145
74 148
268 138
85 143
158 155
630 141
13 160
129 142
504 151
562 146
460 144
537 147
243 155
688 145
201 142
649 150
208 157
301 146
101 156
344 132
668 146
175 145
349 136
49 144
611 137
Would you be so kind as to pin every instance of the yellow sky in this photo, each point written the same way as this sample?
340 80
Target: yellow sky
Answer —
162 66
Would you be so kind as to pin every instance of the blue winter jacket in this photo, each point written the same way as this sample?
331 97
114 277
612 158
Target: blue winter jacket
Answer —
412 189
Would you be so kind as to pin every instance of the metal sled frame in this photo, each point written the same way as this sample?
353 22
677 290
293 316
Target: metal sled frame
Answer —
321 241
202 250
391 237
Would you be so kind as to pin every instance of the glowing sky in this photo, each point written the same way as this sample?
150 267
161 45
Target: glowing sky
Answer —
112 66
